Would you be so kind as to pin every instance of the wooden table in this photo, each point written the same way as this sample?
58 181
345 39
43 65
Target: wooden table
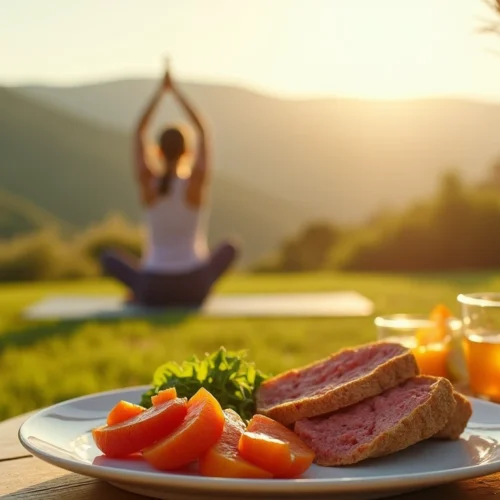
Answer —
23 476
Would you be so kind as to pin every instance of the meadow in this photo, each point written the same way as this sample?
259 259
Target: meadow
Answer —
43 363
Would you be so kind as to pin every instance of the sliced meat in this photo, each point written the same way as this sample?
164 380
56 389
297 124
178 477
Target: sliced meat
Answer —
381 425
341 380
458 420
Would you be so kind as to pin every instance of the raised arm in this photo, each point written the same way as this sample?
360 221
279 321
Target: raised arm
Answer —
201 165
143 174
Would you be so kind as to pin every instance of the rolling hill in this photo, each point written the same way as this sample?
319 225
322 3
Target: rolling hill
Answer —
18 215
337 158
79 172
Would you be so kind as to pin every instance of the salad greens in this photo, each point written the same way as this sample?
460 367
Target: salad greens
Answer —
231 379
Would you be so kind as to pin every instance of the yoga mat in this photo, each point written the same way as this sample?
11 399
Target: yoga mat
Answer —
325 304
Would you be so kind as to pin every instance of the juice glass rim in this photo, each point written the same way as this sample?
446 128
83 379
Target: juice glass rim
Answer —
480 299
410 321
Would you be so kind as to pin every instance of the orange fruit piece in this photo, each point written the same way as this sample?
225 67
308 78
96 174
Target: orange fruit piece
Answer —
132 435
224 460
122 411
163 396
439 315
275 448
201 429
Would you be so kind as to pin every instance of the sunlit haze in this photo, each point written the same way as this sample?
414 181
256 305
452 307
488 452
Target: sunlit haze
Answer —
363 48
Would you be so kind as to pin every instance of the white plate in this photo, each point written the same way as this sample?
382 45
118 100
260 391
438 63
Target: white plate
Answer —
61 436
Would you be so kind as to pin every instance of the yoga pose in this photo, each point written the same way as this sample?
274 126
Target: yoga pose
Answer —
177 269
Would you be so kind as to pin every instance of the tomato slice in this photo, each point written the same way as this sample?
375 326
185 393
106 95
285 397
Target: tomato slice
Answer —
200 430
141 431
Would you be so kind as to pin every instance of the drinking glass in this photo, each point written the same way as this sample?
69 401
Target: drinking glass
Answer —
429 344
481 328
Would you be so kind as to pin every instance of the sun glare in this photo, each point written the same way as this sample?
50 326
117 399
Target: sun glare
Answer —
393 52
386 50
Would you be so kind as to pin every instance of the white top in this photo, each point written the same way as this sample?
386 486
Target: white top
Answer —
177 240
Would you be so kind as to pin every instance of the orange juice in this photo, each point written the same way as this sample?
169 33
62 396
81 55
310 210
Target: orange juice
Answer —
431 358
483 360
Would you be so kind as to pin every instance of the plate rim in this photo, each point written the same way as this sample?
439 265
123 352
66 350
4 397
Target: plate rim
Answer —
196 483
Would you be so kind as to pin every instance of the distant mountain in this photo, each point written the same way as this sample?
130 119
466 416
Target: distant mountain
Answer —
79 172
18 215
337 158
63 164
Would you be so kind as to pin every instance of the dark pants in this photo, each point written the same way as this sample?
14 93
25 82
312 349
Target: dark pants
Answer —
163 290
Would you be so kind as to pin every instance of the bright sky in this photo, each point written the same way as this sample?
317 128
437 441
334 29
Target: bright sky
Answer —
360 48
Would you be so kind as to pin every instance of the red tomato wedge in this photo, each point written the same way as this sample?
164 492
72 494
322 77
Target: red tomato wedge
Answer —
163 396
123 411
224 460
145 429
200 430
275 448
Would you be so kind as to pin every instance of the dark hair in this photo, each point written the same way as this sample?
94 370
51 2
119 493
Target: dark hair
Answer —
173 145
165 182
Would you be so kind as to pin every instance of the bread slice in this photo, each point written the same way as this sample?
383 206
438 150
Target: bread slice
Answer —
340 380
390 422
458 420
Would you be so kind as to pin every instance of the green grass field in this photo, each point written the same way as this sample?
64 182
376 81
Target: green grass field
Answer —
48 362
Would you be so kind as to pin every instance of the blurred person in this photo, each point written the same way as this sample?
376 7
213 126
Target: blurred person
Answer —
177 268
